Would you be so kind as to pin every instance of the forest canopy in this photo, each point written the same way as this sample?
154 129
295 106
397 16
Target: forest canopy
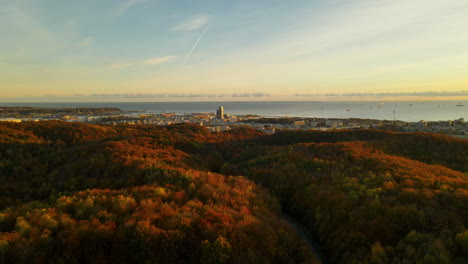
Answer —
73 193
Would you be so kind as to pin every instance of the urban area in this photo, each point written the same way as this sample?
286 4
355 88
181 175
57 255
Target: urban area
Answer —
221 121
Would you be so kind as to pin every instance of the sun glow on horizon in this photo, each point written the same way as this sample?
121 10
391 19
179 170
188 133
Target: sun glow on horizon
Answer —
77 50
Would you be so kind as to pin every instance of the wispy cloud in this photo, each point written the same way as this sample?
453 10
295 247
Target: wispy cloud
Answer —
425 93
179 95
155 61
195 45
160 95
147 62
191 24
126 5
258 94
70 23
86 42
20 52
23 22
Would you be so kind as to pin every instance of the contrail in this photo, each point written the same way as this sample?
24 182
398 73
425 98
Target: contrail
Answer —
195 45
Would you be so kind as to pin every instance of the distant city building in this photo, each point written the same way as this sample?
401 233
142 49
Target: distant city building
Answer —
13 120
233 118
299 123
334 123
459 121
269 130
220 113
215 129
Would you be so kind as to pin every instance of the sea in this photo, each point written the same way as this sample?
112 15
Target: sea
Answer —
386 110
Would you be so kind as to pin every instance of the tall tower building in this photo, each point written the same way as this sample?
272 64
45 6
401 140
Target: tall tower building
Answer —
220 113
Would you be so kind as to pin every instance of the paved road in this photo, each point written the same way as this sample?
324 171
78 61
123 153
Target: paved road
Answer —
302 231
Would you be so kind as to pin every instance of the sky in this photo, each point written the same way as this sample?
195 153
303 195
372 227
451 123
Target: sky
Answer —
233 50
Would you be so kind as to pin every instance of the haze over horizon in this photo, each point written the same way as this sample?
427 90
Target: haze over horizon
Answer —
219 50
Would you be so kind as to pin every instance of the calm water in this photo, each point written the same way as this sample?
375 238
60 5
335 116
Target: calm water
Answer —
405 111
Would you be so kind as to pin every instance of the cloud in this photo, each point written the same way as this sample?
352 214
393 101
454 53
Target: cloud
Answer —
25 23
175 95
195 45
155 61
117 66
191 24
147 62
258 94
70 23
160 95
20 52
426 93
86 42
126 5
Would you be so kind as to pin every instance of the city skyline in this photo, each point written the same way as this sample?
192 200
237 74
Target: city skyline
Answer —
155 50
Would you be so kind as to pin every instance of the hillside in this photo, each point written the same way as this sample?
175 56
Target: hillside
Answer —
179 194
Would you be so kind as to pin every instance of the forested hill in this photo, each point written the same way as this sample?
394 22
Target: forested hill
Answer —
80 193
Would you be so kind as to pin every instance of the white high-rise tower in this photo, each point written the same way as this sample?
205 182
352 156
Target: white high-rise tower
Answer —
220 113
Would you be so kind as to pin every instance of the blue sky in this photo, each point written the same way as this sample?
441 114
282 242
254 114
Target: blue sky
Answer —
156 50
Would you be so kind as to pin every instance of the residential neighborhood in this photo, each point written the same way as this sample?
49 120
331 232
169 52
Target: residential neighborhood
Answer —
220 121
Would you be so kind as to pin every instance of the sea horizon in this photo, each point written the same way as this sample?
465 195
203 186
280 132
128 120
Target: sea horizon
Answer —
410 111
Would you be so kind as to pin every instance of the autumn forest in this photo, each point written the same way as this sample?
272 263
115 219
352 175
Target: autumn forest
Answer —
82 193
